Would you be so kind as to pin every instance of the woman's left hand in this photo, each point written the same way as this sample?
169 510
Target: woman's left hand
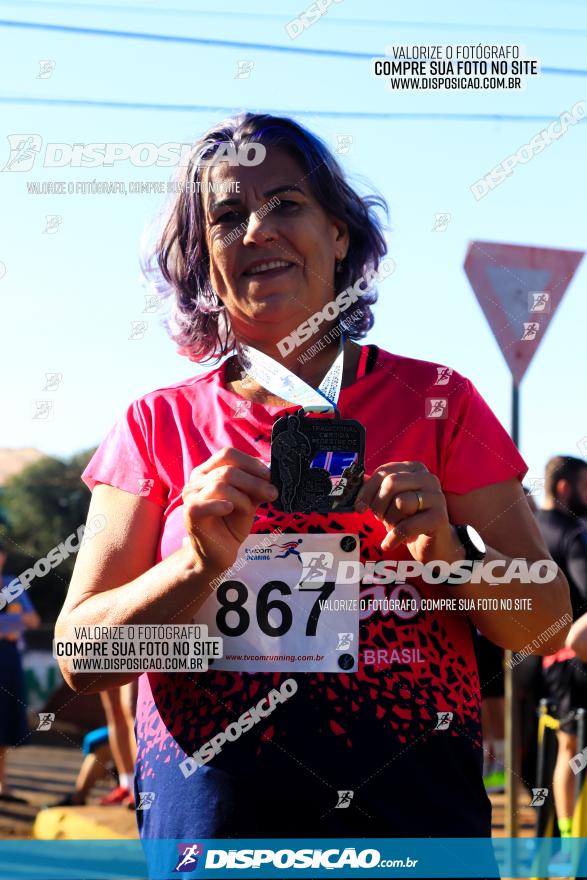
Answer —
410 503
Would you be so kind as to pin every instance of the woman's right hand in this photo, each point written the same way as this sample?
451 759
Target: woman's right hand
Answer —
220 500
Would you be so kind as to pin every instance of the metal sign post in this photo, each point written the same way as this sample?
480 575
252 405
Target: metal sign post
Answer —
519 289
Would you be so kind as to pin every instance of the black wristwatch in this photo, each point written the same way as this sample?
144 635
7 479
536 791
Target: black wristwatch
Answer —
475 549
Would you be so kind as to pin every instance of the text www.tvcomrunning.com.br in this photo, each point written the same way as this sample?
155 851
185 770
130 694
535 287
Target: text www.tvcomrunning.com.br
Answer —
271 658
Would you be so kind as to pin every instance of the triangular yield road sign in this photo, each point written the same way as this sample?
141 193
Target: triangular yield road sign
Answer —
519 289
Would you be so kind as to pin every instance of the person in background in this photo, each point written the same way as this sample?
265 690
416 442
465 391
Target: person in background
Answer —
491 677
490 658
529 690
577 638
565 674
94 767
15 617
119 705
115 742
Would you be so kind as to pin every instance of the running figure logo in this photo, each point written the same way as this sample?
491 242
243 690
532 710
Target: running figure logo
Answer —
290 449
441 221
291 549
436 407
344 800
146 800
535 485
188 856
444 719
444 374
54 221
46 719
539 301
152 303
530 331
138 329
344 143
46 68
53 381
243 69
317 567
350 479
44 409
23 151
344 641
539 795
242 409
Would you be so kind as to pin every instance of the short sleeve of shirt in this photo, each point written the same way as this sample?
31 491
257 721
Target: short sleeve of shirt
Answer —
124 458
478 451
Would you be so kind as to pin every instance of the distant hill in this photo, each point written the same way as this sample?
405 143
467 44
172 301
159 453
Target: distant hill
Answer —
12 461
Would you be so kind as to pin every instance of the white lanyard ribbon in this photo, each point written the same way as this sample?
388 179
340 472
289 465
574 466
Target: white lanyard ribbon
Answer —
282 382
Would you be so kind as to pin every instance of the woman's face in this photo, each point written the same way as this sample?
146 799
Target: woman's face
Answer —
264 301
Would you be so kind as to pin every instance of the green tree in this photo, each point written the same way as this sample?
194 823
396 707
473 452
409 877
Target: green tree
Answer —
44 504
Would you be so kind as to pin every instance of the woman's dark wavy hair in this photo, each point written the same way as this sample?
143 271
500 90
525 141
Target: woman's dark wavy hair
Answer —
177 264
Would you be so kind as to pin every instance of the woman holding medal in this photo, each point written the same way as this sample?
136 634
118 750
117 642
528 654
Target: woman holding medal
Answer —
183 484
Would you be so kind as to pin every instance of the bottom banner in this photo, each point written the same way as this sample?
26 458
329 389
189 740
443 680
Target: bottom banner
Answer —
286 857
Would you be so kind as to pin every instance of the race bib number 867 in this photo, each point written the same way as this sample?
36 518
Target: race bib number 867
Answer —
279 609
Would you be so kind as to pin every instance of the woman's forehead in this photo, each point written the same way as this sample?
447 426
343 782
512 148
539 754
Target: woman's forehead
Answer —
277 167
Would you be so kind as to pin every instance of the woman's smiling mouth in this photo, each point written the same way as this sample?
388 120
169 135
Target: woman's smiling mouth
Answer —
267 268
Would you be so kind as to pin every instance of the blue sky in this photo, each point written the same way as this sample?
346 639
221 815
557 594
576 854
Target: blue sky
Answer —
68 298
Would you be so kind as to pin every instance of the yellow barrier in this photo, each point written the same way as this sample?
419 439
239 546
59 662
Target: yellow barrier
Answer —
546 826
85 823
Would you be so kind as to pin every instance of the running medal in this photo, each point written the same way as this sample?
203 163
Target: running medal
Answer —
317 464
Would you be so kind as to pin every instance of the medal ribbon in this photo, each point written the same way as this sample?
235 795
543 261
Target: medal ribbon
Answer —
282 382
